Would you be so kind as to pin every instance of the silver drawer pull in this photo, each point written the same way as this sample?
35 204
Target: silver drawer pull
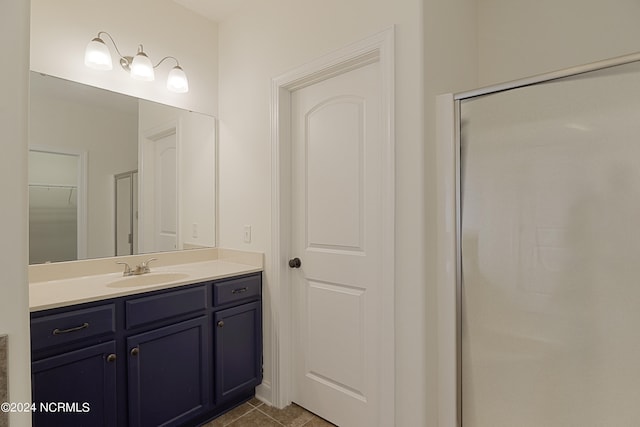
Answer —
239 290
57 331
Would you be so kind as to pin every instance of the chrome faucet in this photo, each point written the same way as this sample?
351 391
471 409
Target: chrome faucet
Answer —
144 267
139 269
127 269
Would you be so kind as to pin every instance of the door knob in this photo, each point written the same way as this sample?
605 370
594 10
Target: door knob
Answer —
295 263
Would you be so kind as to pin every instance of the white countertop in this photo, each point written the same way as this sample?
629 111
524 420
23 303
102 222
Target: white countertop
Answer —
61 292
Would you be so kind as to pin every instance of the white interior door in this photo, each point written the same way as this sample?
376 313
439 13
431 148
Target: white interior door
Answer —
337 233
166 193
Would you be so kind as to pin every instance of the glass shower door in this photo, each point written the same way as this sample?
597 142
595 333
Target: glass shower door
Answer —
550 242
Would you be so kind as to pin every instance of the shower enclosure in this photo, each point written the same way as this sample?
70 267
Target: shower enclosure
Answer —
543 180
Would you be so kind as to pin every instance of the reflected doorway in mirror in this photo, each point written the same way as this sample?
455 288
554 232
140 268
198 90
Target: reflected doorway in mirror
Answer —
57 205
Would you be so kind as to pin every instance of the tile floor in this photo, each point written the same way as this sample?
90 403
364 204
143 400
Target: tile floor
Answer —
255 413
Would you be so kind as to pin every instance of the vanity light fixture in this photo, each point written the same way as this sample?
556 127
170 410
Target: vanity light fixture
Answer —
140 67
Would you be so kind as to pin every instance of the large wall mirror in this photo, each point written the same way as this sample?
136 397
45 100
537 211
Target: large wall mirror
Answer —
110 174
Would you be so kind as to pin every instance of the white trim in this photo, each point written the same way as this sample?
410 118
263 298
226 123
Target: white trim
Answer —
264 392
377 48
83 234
448 387
216 184
81 180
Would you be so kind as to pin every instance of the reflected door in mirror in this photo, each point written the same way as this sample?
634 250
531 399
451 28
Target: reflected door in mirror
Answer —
166 196
159 190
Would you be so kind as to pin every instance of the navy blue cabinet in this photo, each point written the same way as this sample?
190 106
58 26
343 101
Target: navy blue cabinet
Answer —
168 374
84 381
174 357
238 340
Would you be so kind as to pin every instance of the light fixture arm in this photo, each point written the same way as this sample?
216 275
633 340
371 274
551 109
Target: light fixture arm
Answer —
164 59
125 61
112 41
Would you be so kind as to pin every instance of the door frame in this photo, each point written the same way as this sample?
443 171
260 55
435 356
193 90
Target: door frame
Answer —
376 48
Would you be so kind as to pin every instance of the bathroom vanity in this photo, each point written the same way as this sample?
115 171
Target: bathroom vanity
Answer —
169 348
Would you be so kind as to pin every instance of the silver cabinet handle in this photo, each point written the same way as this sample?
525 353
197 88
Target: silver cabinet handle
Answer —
111 358
57 331
239 290
135 351
220 324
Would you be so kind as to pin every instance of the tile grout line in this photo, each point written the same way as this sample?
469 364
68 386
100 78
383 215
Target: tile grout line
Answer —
236 419
256 406
269 416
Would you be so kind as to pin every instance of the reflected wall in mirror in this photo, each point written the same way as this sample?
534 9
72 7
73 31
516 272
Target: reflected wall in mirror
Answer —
111 134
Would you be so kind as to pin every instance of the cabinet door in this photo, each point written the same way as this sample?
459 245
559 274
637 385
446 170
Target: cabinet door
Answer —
238 350
77 388
168 373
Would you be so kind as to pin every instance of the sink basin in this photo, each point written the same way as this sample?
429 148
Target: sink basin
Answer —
147 280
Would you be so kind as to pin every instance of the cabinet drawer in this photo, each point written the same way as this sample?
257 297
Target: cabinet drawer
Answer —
239 289
163 306
58 329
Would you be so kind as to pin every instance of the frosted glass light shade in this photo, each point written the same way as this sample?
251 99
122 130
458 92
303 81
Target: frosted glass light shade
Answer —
141 67
177 80
97 55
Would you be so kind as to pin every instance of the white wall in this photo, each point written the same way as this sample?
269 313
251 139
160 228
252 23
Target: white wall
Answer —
519 38
435 52
14 313
197 169
61 29
63 124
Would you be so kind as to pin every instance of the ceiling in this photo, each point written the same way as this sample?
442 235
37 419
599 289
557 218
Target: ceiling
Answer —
216 10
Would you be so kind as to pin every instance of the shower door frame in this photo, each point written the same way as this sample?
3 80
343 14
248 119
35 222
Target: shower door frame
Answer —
133 198
449 215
